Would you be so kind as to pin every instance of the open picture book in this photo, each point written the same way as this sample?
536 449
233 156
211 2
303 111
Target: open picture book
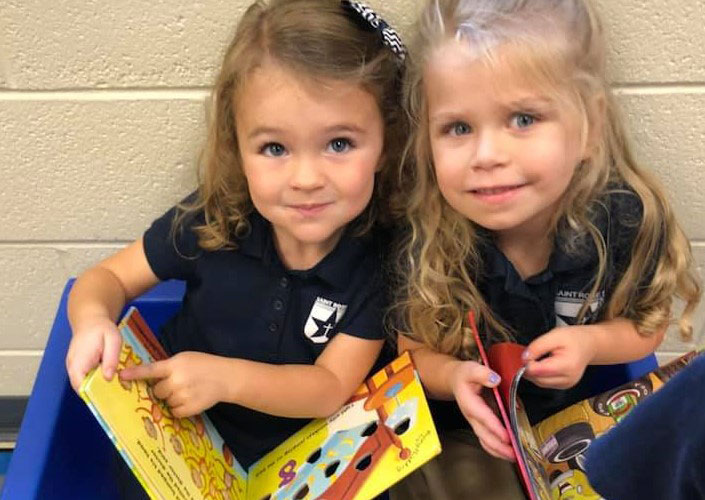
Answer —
549 454
384 432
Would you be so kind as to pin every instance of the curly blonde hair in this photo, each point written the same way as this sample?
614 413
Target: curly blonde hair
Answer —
318 40
559 45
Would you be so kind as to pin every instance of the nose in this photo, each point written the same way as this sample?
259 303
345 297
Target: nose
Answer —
306 174
490 150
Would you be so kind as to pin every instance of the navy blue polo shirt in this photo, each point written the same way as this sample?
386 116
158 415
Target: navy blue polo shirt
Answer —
244 303
553 297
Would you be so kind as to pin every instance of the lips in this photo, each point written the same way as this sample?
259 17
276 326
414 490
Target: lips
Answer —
495 190
309 209
309 206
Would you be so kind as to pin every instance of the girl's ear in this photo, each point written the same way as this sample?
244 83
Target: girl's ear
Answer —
596 110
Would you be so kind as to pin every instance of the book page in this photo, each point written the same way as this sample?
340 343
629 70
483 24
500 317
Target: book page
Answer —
564 438
175 458
529 450
380 436
505 359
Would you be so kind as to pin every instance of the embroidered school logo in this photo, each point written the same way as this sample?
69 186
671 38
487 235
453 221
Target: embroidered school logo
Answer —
568 304
325 314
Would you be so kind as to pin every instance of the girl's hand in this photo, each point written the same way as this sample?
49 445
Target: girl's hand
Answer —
468 380
557 359
95 339
189 382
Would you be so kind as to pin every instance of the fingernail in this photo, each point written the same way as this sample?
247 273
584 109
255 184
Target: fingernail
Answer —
494 378
525 355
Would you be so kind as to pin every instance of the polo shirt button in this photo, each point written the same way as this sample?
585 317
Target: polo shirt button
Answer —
273 327
284 282
278 305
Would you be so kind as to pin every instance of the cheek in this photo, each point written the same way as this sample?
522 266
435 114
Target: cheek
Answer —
361 186
356 188
448 174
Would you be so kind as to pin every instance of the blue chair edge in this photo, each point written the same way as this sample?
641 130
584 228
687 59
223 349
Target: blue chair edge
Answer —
29 458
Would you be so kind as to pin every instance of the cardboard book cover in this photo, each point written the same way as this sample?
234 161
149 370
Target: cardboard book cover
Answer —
384 432
550 454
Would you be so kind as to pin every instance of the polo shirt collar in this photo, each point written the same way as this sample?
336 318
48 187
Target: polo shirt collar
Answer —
334 268
258 239
348 255
497 265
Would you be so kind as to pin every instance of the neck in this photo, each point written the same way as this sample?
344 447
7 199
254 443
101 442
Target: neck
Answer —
300 256
528 251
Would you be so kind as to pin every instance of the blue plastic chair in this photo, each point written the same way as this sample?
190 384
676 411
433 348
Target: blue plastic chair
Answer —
62 452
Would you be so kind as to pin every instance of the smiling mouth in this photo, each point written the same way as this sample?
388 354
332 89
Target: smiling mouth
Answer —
310 208
492 191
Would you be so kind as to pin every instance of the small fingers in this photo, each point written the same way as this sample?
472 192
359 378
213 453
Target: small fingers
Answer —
181 411
163 390
475 373
76 376
548 367
558 382
498 449
112 343
488 420
156 370
542 346
80 360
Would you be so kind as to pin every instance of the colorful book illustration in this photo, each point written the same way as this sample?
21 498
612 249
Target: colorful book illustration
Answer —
550 454
384 432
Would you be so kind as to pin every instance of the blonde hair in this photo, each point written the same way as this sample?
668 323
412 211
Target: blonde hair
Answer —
559 44
318 40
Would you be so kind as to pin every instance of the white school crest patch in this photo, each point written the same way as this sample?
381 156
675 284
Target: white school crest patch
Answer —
324 315
569 303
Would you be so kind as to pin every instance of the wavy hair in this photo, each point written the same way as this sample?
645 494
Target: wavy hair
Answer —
318 40
558 45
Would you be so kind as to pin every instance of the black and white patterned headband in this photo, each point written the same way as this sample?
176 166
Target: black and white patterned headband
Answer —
390 37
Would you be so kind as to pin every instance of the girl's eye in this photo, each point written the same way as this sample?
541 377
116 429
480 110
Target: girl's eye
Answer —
273 149
522 120
458 128
339 145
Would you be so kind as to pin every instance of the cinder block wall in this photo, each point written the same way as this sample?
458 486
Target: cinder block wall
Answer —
101 117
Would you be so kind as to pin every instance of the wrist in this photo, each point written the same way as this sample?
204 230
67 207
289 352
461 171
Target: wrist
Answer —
450 378
86 322
591 342
228 386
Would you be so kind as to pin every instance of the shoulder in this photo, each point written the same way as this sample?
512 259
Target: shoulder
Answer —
175 228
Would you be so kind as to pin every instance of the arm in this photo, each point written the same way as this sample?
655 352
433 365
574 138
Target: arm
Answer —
436 370
94 304
316 390
448 378
570 349
191 382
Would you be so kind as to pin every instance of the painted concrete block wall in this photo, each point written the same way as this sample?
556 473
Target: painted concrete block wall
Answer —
102 110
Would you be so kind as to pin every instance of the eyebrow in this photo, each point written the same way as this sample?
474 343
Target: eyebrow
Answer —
333 129
528 102
445 117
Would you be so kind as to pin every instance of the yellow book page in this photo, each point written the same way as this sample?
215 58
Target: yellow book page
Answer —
380 436
174 458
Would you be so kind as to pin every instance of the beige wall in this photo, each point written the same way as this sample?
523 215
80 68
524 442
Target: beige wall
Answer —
101 115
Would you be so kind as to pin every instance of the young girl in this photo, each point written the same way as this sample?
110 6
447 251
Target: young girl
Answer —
526 206
279 246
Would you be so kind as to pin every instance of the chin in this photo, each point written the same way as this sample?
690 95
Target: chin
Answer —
498 225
